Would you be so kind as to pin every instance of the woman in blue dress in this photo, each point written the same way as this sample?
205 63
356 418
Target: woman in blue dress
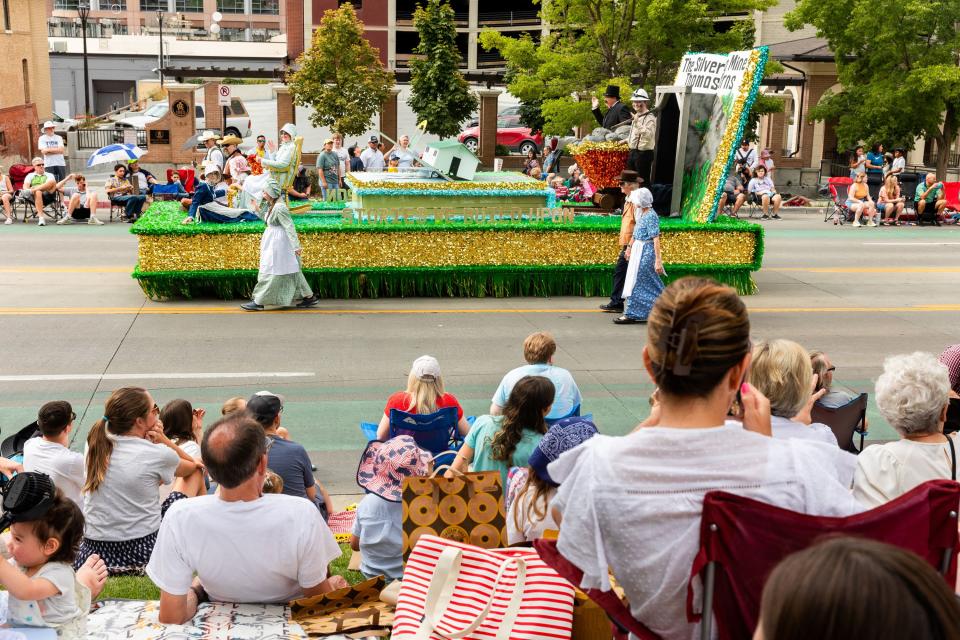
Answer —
643 285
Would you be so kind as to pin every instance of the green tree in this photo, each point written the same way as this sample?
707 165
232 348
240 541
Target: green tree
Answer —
897 62
340 76
439 93
596 42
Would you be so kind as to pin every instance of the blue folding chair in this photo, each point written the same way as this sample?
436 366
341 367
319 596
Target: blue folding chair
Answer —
573 412
435 432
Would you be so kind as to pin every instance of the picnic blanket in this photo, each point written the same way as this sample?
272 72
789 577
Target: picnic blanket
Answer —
137 620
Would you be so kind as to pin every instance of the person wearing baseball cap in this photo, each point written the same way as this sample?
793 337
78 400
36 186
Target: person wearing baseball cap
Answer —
286 458
51 148
643 131
372 157
424 394
532 488
378 529
328 168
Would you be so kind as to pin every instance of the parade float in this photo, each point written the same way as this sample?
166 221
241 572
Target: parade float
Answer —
447 229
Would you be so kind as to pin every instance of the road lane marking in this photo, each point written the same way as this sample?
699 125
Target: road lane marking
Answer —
156 376
66 269
866 269
909 244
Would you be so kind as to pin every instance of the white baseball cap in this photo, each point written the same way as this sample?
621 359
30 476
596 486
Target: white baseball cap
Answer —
426 367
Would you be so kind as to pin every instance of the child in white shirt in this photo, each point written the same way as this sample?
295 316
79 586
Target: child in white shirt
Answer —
43 590
51 454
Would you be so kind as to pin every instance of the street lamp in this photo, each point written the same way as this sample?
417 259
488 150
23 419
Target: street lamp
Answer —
84 10
160 24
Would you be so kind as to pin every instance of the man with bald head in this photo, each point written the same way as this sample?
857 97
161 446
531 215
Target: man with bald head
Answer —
242 545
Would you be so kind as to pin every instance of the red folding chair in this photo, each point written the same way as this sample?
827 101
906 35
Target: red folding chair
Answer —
742 540
609 601
838 193
187 178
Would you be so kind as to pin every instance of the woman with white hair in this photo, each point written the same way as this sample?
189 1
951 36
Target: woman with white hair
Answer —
912 394
643 285
781 371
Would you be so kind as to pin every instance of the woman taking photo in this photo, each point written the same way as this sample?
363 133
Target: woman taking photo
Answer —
128 458
860 202
633 504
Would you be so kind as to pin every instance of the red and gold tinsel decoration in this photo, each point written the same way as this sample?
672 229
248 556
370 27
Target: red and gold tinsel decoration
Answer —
256 168
602 162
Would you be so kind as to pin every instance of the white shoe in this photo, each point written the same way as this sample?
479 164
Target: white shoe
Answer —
871 224
9 221
856 223
41 222
94 220
65 220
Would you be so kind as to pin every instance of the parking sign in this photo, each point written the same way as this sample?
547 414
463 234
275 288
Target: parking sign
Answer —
224 92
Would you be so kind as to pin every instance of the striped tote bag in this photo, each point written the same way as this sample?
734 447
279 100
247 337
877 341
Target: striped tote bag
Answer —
456 591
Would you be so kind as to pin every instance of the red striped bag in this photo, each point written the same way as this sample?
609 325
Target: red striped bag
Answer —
455 591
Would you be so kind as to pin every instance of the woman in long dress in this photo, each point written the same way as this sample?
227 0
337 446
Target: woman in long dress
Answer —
280 280
278 173
643 284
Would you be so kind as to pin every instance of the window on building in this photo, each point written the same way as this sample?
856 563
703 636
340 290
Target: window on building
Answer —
26 81
267 7
231 6
110 5
3 134
6 14
191 6
66 5
154 5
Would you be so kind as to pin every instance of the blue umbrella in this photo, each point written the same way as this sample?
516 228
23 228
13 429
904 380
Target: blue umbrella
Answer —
113 153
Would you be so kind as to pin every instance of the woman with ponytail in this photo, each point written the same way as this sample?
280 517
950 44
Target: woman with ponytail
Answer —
496 443
633 504
128 458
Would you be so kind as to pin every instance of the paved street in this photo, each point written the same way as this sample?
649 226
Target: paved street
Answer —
75 326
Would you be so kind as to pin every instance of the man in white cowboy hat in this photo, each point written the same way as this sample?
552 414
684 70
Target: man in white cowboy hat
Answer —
643 132
214 154
51 149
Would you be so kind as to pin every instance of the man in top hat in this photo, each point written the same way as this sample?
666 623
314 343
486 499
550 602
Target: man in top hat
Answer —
643 131
214 154
629 182
617 112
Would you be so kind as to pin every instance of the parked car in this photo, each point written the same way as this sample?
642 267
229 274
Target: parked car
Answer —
510 135
510 115
238 120
62 125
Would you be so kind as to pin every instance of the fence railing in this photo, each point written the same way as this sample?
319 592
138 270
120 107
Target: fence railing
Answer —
531 16
96 138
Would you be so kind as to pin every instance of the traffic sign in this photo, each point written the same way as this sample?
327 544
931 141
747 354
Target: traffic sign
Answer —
223 91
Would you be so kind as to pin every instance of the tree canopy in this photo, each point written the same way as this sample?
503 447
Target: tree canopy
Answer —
439 94
897 62
593 43
340 76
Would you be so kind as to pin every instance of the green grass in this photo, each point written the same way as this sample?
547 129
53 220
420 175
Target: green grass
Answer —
142 588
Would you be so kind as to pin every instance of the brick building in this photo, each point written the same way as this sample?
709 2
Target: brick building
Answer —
24 76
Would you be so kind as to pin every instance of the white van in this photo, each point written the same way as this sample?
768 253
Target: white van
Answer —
238 120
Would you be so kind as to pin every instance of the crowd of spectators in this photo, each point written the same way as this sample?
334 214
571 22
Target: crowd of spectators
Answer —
191 507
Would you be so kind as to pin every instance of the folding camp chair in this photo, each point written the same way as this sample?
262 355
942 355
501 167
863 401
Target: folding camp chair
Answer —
187 178
573 412
435 432
844 421
17 174
623 622
742 540
838 194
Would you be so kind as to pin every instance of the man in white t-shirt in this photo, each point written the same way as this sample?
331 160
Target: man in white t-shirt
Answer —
343 156
242 545
538 350
51 148
51 454
372 157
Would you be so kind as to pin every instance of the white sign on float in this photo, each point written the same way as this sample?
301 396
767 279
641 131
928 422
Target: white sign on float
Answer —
223 92
713 73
